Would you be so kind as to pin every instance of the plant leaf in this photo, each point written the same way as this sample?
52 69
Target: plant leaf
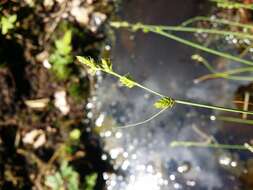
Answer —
8 23
67 37
90 181
88 62
106 65
63 45
127 81
165 102
12 18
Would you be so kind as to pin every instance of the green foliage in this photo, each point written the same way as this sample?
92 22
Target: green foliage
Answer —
77 90
61 57
232 5
74 90
106 66
65 177
90 181
165 102
127 81
166 31
54 182
75 134
88 62
205 144
8 23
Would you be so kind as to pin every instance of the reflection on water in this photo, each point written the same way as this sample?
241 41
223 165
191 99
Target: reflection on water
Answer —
142 155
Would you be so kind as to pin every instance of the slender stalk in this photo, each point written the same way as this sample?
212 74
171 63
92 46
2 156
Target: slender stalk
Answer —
207 145
143 122
183 102
210 107
203 48
216 20
159 31
137 84
245 51
238 70
92 65
232 5
229 75
238 78
201 30
234 120
202 60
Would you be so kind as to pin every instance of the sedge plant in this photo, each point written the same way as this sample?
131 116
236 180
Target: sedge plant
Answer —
163 103
61 57
166 31
237 74
188 144
7 23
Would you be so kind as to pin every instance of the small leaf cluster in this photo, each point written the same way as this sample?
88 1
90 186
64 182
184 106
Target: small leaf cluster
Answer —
231 5
65 177
127 81
134 27
75 134
90 181
106 66
61 57
7 23
89 62
165 102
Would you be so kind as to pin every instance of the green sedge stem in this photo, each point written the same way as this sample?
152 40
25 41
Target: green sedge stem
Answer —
211 107
238 78
143 122
200 47
202 60
238 70
105 67
206 145
137 84
234 120
201 30
229 75
232 5
216 20
183 102
157 30
208 66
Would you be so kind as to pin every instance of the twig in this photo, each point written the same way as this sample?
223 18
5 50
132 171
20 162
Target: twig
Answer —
207 145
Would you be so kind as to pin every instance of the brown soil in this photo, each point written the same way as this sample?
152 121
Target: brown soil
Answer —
24 81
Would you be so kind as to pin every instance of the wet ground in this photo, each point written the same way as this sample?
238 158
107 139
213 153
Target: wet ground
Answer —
142 155
45 128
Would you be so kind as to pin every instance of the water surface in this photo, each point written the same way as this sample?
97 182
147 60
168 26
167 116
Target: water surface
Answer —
142 155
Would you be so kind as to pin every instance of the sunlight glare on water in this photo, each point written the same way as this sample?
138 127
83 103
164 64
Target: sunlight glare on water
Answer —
141 155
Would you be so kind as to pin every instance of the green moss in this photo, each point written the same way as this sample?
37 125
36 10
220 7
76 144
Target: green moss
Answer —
75 134
7 23
65 177
61 57
90 181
